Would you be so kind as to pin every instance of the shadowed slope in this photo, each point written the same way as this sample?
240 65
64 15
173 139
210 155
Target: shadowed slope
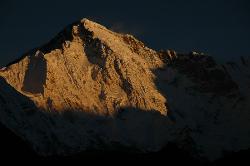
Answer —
71 131
35 76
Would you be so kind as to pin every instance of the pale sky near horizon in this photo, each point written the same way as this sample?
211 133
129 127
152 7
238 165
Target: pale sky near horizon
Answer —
220 28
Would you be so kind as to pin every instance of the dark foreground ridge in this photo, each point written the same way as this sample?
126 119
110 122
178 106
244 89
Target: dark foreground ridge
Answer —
15 148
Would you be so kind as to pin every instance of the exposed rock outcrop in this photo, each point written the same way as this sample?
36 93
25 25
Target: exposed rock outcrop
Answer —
88 67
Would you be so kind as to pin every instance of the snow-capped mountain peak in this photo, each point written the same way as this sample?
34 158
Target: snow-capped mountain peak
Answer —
91 88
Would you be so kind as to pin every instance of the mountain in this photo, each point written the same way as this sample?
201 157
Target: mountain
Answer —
93 89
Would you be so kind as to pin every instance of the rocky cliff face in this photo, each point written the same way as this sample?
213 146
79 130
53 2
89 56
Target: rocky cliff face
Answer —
91 88
89 68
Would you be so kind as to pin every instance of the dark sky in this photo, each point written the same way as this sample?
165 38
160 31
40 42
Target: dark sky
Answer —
220 28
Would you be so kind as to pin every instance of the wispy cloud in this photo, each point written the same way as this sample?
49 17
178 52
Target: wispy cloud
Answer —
121 27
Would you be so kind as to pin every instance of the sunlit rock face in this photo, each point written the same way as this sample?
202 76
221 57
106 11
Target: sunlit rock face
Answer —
89 68
93 89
